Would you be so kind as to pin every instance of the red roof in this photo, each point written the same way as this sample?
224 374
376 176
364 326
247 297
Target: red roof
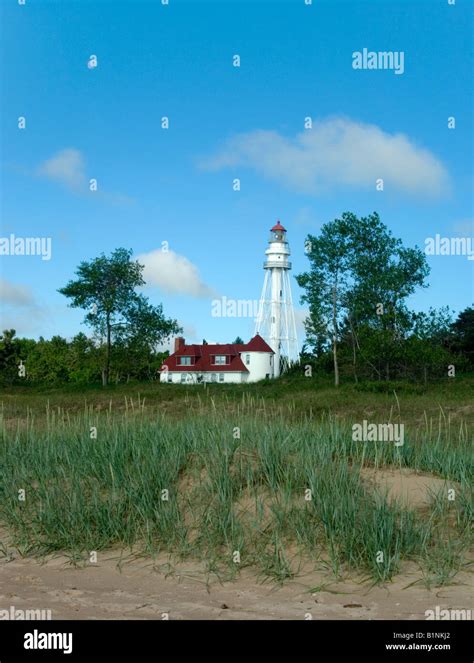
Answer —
278 226
257 344
202 356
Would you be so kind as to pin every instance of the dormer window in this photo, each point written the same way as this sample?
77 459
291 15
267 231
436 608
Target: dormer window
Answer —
185 361
220 360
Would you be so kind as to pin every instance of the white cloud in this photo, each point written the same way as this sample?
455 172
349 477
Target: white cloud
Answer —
17 295
189 333
300 316
173 274
19 309
336 152
66 167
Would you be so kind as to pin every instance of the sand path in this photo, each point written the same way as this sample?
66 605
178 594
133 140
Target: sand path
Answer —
137 590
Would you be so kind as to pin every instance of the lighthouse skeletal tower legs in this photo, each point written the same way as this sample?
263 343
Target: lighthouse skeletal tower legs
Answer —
275 323
276 317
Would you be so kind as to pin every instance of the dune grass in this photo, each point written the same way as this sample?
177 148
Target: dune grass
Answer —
292 397
235 488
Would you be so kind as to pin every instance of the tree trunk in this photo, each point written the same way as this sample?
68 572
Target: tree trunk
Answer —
336 367
354 364
354 353
334 338
106 372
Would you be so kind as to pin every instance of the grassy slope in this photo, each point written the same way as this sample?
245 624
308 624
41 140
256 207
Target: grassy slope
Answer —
293 397
230 493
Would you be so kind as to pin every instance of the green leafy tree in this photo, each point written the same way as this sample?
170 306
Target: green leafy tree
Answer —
83 360
14 352
106 289
8 356
359 279
385 274
47 362
463 333
326 286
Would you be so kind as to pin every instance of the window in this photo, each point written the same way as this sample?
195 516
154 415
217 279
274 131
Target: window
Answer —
221 377
247 359
220 360
184 361
183 378
170 377
213 377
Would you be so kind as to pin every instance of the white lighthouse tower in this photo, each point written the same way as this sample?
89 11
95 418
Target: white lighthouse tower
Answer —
276 317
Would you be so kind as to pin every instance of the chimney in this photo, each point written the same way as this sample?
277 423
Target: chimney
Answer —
179 343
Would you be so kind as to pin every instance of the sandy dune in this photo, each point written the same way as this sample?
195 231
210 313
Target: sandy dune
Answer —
139 591
135 588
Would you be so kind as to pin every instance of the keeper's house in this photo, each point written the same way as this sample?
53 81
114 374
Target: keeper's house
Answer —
234 362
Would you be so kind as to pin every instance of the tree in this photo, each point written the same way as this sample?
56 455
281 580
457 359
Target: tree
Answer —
14 353
48 361
106 289
463 333
359 279
83 360
8 356
384 274
326 286
238 341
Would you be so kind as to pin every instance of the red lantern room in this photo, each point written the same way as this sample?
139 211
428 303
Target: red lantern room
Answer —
278 233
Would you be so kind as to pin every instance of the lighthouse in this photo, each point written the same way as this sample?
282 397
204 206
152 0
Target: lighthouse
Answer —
276 316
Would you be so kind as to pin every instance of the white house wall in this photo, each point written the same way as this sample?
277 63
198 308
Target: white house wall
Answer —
191 378
260 365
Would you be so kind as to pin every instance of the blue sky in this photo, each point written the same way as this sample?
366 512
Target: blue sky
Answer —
175 185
